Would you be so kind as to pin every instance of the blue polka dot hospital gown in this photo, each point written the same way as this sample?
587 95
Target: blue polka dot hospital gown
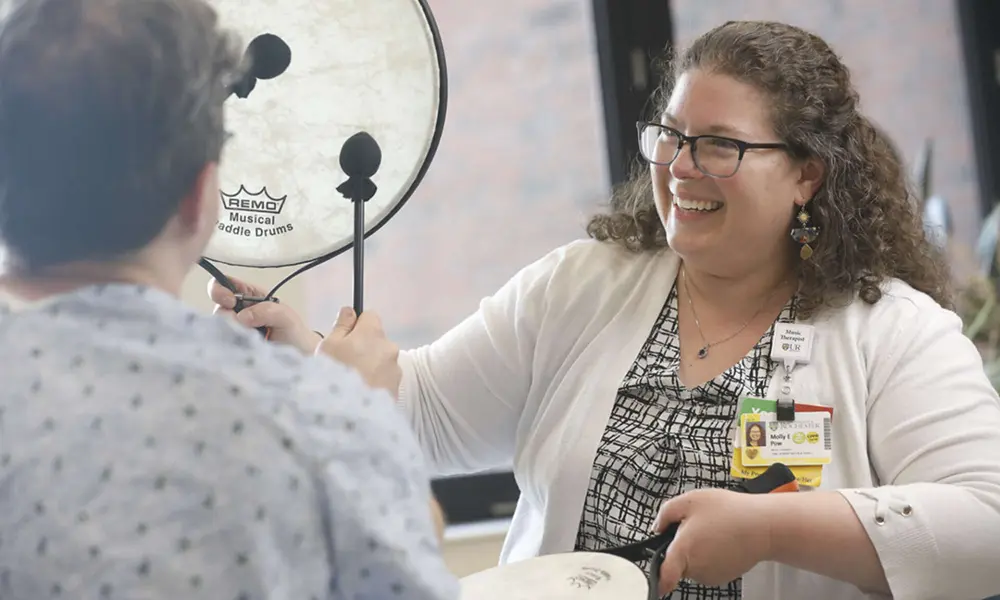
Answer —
150 452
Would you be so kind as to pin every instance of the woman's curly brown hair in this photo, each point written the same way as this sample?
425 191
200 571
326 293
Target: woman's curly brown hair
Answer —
871 229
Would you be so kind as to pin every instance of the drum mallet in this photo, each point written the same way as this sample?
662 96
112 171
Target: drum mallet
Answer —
360 158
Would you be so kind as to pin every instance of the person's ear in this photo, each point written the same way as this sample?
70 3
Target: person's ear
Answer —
811 174
200 206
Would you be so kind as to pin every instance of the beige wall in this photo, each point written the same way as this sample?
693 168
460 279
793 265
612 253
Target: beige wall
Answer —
472 548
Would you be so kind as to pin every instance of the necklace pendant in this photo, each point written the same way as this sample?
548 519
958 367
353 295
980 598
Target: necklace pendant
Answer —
703 352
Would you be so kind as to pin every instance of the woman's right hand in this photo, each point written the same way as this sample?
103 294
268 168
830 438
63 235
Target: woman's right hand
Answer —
360 342
286 326
356 341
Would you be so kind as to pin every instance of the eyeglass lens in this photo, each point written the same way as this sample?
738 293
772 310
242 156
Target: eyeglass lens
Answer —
714 156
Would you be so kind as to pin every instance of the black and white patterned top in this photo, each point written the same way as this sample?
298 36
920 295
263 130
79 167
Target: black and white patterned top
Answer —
663 439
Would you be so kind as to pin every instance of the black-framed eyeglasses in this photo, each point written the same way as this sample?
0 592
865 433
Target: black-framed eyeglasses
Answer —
713 155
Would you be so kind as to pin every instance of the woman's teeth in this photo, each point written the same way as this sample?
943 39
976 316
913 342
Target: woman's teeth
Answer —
703 205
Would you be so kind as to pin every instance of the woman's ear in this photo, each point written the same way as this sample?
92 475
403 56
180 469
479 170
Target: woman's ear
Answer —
810 178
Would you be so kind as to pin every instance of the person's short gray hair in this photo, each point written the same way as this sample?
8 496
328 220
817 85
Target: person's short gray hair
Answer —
109 110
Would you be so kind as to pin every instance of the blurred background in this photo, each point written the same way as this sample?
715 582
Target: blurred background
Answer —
524 156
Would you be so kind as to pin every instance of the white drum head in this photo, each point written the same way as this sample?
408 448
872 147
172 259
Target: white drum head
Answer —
375 66
568 576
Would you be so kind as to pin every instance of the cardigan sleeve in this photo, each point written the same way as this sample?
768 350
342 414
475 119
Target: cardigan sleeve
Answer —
464 394
934 442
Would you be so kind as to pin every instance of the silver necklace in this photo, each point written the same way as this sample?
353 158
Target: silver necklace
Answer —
703 352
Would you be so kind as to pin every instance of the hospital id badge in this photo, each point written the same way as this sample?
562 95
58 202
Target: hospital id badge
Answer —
765 440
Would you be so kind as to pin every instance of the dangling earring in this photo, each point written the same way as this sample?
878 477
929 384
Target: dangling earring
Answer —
804 235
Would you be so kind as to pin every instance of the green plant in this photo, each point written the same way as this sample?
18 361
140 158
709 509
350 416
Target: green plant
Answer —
978 301
978 298
980 312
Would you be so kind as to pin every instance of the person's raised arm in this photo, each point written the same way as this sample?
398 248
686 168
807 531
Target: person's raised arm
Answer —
464 394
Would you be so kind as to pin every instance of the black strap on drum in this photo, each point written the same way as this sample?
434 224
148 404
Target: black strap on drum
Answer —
777 477
241 301
654 549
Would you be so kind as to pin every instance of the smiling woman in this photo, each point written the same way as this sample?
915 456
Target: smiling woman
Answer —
883 238
770 205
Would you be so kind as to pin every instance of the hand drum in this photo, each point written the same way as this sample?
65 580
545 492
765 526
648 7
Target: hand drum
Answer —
320 72
610 574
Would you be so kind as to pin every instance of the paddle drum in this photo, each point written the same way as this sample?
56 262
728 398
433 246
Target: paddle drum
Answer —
325 70
567 576
609 574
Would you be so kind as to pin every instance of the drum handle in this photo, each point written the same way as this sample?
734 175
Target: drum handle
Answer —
241 301
646 548
778 478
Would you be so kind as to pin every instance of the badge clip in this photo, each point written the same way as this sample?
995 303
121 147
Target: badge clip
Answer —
786 409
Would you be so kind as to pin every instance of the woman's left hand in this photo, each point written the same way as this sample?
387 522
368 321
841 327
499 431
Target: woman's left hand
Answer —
722 535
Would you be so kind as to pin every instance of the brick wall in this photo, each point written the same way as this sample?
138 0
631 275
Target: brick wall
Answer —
521 162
